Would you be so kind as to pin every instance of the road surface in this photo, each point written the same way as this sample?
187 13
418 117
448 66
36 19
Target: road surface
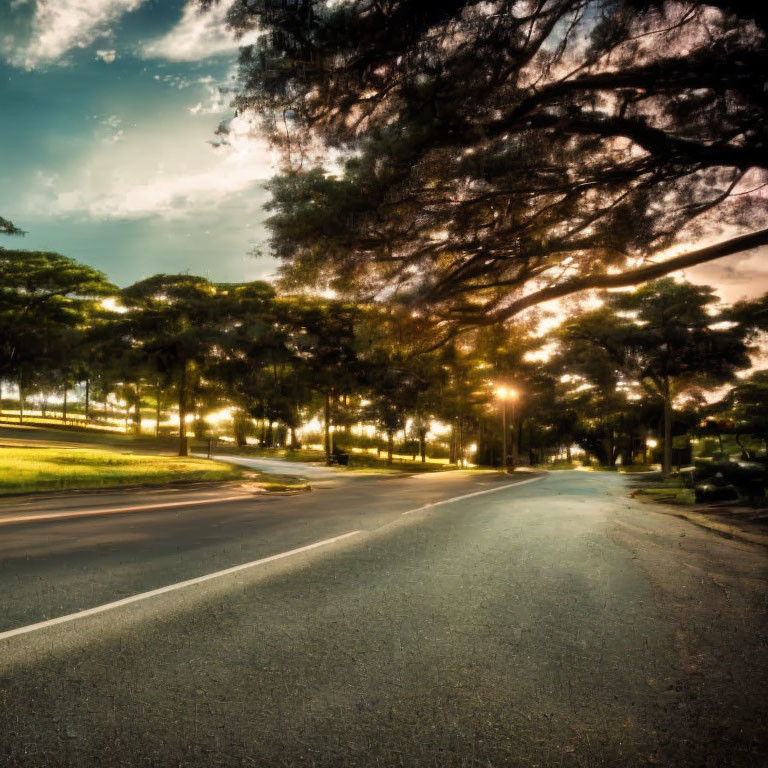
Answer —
550 623
280 467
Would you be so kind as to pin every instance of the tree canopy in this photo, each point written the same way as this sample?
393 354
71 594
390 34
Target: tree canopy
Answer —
42 293
477 158
9 228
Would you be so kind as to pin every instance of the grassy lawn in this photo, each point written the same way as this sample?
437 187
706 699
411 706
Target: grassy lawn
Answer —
670 495
667 490
27 468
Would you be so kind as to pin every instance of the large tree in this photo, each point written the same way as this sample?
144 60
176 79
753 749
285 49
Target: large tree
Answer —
667 337
46 301
174 324
487 156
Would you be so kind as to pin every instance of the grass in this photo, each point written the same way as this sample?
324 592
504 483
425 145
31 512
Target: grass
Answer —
671 495
31 467
369 463
669 490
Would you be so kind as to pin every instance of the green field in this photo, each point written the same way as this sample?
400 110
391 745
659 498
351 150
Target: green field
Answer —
27 468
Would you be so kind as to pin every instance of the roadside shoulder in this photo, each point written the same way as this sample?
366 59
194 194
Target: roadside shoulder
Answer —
715 520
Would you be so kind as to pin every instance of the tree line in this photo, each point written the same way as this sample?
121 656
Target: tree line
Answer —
644 362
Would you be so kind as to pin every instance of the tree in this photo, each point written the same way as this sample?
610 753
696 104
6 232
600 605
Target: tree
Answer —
8 228
665 336
260 369
327 343
495 155
46 300
752 314
393 388
749 401
175 324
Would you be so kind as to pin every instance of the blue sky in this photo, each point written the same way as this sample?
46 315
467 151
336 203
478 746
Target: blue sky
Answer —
107 134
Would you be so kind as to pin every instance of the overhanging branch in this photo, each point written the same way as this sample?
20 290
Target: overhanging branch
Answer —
631 277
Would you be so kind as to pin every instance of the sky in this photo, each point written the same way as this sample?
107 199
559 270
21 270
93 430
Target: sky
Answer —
108 145
109 152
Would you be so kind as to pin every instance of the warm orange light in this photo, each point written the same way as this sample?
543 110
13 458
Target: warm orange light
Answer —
503 393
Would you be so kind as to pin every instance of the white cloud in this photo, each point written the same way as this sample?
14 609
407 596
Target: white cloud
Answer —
106 56
198 35
217 94
60 25
110 129
106 187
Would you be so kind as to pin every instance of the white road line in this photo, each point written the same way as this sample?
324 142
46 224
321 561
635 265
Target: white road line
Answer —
476 493
170 588
117 510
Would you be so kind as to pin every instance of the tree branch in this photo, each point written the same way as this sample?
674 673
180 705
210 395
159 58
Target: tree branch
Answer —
633 276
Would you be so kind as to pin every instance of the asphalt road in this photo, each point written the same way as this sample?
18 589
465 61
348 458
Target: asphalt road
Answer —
556 623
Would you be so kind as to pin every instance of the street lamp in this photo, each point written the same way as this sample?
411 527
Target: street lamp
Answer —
504 394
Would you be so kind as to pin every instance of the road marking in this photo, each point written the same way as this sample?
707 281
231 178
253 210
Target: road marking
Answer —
117 510
171 587
476 493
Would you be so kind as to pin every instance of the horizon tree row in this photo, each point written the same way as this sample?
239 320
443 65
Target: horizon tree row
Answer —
645 361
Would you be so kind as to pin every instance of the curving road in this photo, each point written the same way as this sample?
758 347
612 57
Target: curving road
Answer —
548 623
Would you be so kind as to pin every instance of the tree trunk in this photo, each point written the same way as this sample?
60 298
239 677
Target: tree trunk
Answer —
745 454
568 452
423 446
137 413
390 445
87 399
294 439
452 450
516 436
157 409
183 443
611 448
21 400
327 427
667 466
239 429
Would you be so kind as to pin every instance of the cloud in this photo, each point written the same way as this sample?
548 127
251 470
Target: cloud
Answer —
740 276
111 130
198 35
106 56
61 25
217 94
105 187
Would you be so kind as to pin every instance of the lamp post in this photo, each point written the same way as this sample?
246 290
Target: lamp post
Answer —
504 394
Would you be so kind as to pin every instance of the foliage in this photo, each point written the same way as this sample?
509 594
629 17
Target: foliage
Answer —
262 359
8 228
663 336
46 299
485 149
